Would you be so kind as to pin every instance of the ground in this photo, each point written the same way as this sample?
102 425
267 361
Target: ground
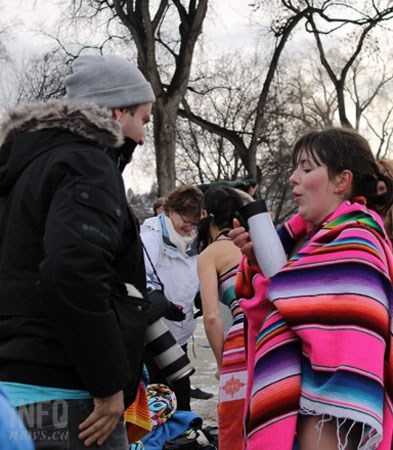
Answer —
205 365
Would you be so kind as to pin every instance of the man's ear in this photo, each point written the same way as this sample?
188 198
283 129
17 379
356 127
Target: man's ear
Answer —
344 182
117 113
204 213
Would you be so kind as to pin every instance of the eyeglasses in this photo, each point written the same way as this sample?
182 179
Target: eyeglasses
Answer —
193 223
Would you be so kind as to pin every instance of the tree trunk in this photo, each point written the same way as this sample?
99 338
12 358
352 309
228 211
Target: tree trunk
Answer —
165 147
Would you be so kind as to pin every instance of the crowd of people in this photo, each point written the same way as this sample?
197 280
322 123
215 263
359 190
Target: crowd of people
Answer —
304 357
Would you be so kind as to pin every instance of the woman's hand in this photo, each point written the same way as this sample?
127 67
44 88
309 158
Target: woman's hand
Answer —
241 239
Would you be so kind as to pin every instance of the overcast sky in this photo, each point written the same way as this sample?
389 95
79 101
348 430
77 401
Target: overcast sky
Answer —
229 28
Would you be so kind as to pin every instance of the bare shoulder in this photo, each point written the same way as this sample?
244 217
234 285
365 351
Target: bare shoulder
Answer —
209 253
226 255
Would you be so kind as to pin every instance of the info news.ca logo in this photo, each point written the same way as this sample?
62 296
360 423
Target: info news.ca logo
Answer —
44 421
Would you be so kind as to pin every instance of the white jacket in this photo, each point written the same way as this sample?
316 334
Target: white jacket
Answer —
176 269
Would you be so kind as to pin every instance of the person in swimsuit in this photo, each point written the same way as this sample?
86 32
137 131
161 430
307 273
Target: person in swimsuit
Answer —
217 266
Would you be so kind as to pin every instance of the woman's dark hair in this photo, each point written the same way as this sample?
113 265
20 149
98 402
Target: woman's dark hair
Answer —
220 204
344 149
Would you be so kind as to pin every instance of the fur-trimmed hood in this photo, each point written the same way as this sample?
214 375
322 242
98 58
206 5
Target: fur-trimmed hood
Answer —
84 119
34 128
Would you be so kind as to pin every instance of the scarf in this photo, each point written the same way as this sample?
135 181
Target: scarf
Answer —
319 335
172 238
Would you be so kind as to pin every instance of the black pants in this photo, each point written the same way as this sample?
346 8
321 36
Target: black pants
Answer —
54 425
181 388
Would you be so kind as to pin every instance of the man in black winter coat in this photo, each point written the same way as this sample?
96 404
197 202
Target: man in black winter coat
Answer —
73 308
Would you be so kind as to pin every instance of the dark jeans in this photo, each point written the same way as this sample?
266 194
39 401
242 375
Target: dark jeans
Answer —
181 388
53 425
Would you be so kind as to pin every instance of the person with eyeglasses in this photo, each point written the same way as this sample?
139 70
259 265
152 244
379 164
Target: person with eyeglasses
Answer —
171 254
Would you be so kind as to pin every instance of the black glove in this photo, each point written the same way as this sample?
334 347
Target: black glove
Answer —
175 312
160 306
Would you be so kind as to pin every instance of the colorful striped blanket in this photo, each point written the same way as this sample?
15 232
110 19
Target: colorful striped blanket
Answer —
319 337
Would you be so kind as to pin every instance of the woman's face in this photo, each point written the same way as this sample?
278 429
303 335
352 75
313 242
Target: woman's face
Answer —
184 224
315 194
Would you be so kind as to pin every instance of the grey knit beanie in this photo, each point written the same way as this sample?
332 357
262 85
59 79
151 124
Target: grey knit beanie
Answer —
109 81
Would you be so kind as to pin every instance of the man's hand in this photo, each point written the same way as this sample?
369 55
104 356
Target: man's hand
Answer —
103 420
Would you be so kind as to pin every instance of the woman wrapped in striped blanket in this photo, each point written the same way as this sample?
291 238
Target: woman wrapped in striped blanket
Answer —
320 359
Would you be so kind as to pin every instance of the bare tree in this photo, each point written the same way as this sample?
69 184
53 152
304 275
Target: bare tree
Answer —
4 63
5 30
353 27
238 120
247 151
29 78
227 95
324 18
224 92
3 50
165 34
383 134
308 94
40 77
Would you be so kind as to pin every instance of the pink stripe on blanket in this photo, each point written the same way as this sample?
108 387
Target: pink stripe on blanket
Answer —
339 347
275 436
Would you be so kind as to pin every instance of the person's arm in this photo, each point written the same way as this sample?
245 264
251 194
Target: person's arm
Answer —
210 304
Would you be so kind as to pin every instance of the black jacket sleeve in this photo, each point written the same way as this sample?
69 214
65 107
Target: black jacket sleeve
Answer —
83 234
